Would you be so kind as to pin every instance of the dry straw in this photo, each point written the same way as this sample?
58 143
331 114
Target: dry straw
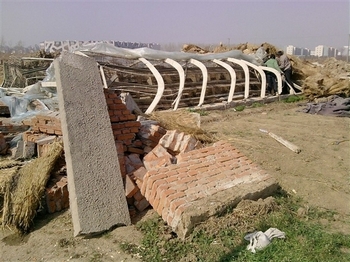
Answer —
183 121
23 192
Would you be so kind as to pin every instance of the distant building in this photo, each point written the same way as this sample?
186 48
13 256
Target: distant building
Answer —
297 51
345 51
71 45
325 51
333 52
290 50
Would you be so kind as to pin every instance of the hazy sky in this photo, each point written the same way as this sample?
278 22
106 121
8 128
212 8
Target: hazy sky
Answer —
302 23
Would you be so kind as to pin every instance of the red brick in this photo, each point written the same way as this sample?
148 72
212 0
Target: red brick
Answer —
130 187
124 118
119 106
164 213
126 131
140 173
171 179
118 100
51 207
117 126
138 196
113 96
131 117
132 149
125 136
114 118
126 112
133 124
134 129
175 204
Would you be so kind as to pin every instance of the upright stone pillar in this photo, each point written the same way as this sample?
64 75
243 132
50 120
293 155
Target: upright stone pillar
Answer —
96 191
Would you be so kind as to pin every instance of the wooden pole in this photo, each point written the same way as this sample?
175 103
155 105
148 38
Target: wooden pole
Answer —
284 142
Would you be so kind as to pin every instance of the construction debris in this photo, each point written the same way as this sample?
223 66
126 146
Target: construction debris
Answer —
152 150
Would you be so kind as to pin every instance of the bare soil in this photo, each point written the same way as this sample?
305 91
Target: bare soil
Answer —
319 174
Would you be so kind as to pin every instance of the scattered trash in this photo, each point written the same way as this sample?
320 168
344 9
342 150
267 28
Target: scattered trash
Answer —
284 142
259 240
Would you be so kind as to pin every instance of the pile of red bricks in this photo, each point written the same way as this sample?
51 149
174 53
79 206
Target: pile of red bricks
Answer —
56 194
47 122
133 139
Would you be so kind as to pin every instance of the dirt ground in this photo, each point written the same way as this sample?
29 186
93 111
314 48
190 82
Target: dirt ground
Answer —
319 174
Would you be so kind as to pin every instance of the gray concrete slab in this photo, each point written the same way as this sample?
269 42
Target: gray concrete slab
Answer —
96 191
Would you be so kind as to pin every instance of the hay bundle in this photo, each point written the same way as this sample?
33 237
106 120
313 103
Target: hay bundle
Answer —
24 190
183 121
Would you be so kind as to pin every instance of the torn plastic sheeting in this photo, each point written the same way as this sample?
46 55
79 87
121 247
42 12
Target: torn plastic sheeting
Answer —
20 104
50 74
148 53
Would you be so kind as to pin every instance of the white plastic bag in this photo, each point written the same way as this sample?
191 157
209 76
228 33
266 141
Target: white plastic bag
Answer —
258 240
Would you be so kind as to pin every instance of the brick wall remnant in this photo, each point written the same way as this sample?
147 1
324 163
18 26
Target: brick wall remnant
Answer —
200 175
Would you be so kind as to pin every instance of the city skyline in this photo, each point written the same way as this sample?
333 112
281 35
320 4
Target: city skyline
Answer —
299 23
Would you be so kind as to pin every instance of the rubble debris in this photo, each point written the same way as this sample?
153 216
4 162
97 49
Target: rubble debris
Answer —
148 148
56 192
190 48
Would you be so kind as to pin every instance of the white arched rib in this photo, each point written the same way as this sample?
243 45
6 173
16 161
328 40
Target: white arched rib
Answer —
160 83
246 74
181 72
278 76
263 78
233 77
205 78
103 77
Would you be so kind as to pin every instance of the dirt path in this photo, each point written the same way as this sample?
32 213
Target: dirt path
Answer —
319 173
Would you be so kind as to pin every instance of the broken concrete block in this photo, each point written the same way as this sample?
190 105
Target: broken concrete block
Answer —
17 152
96 189
28 149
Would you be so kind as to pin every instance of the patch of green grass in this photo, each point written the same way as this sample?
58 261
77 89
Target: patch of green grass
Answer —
306 240
201 112
257 104
239 108
293 99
